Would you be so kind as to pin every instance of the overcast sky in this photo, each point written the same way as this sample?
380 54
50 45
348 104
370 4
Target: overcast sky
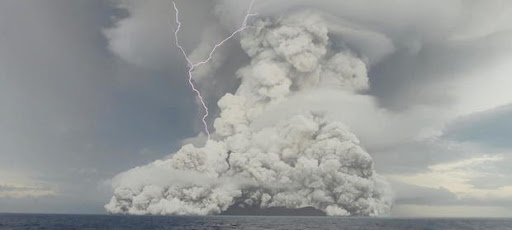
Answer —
89 89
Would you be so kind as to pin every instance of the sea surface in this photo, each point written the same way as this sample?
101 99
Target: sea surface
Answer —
70 222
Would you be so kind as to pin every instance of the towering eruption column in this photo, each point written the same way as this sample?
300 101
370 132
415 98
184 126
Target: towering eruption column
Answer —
269 151
192 66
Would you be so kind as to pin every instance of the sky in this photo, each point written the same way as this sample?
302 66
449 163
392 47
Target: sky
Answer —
90 89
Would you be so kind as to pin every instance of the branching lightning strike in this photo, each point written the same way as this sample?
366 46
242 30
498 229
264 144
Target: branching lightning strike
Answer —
192 66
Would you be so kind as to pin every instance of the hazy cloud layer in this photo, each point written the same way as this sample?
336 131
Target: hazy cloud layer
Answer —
72 115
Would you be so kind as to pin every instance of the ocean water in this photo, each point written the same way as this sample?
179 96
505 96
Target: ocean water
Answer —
71 222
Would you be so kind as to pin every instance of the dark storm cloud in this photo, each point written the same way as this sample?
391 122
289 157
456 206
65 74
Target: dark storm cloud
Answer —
492 128
416 156
410 78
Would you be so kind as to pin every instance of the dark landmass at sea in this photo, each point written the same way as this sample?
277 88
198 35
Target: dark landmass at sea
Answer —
89 222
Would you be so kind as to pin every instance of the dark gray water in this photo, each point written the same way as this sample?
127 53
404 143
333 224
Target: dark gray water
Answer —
70 222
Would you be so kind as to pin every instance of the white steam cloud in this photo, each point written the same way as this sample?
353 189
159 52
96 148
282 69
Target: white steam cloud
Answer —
306 159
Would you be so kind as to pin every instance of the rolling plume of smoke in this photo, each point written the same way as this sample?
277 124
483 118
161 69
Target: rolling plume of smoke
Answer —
304 160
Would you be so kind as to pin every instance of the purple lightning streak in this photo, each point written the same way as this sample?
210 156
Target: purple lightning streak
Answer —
193 65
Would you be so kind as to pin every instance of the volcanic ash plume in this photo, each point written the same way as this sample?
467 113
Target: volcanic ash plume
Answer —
304 160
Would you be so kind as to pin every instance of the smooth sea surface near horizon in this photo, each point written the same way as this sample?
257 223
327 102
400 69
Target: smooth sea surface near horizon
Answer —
70 222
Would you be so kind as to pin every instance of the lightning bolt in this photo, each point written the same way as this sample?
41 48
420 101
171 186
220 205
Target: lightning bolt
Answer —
192 66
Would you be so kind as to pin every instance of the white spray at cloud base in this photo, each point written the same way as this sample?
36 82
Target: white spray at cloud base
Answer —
305 160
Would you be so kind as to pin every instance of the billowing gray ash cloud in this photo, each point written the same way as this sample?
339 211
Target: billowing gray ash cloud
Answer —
304 158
